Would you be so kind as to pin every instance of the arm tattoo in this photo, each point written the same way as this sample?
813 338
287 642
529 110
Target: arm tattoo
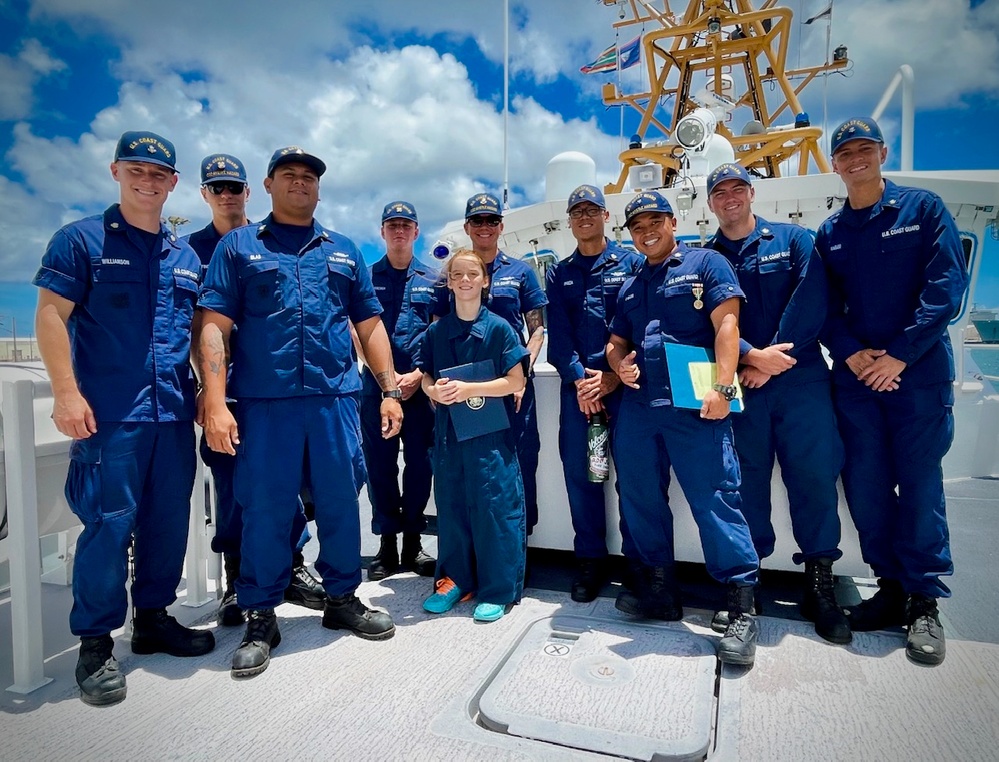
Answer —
386 381
213 353
535 320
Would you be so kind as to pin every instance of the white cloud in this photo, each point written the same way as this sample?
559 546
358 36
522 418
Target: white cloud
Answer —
18 76
393 122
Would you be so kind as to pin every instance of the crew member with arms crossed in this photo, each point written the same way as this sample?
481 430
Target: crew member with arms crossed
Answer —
115 304
292 287
405 289
681 295
896 272
516 296
789 412
225 190
582 296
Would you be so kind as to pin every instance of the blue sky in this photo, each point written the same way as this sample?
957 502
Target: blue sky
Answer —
402 99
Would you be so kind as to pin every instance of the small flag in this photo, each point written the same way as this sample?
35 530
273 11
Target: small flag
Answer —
826 14
629 55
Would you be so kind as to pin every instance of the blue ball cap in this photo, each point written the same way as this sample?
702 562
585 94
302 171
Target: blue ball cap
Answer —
861 128
589 193
147 147
295 155
648 201
724 172
483 203
399 210
219 167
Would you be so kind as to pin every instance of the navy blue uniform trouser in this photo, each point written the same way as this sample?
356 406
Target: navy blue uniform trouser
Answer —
796 423
394 511
129 478
481 532
524 425
229 513
898 439
279 440
586 498
647 441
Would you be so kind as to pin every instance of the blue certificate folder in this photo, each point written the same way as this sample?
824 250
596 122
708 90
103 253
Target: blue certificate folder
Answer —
477 415
692 372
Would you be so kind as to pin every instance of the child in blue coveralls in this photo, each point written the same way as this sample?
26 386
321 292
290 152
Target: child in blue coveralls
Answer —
478 487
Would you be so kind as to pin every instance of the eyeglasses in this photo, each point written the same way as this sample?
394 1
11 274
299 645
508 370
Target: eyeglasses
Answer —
483 221
586 211
234 188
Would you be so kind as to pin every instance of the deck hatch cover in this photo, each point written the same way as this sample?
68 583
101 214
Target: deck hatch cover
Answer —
632 690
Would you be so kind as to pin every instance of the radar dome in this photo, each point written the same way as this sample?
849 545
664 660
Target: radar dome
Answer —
566 172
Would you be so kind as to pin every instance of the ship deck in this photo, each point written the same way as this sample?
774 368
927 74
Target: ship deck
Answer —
552 680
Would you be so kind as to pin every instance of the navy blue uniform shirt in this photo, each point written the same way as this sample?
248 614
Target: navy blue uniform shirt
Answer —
785 286
514 290
292 310
450 342
130 332
405 297
657 306
582 298
896 279
204 242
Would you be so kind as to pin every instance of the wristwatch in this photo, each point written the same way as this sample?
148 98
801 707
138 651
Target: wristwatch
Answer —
392 394
728 392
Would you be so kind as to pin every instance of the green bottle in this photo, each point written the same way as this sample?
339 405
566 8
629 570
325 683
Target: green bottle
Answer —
597 449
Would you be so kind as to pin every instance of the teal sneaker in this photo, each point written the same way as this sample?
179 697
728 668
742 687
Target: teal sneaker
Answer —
488 612
447 594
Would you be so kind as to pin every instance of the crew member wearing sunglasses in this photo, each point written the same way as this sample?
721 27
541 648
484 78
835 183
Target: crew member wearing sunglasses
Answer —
515 294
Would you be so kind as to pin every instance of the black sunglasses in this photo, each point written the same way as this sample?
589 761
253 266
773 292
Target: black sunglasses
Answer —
481 220
234 188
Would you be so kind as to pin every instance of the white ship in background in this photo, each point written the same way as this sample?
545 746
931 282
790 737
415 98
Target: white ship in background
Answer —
554 679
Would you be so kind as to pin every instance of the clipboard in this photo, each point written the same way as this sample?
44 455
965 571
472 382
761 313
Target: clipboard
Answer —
476 416
692 373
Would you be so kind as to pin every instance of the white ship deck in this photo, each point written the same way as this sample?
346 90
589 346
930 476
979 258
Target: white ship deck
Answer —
548 681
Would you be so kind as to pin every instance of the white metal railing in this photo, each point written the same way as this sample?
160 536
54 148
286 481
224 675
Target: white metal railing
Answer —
20 464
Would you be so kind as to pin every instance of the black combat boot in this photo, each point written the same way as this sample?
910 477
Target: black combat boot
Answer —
254 653
658 596
155 631
101 681
631 576
229 613
346 612
414 557
738 645
591 573
719 622
886 608
925 642
304 589
819 602
386 561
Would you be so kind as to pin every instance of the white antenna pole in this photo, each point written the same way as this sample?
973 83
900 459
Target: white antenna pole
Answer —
506 103
825 83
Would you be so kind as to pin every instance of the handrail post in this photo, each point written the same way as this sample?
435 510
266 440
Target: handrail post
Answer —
25 555
197 543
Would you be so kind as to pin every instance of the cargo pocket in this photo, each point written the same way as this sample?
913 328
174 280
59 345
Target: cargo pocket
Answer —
84 485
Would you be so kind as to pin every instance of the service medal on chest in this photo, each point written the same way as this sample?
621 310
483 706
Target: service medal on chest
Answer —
698 291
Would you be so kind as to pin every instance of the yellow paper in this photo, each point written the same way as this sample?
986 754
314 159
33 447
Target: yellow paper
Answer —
704 376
